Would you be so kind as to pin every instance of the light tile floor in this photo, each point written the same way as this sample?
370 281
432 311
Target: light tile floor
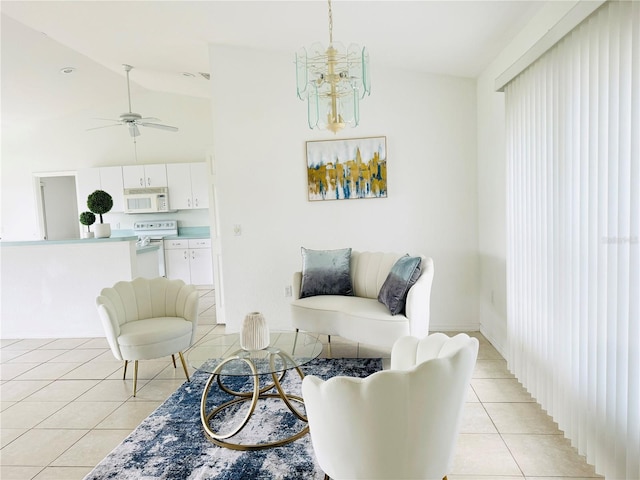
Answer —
64 407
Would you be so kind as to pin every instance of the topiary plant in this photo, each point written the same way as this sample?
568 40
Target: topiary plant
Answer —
88 219
99 202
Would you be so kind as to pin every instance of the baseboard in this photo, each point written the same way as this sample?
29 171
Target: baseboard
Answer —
493 341
461 327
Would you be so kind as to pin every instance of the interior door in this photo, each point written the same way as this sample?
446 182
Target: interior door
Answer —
59 207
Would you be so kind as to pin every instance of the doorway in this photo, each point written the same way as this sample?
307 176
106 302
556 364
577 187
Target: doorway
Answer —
58 208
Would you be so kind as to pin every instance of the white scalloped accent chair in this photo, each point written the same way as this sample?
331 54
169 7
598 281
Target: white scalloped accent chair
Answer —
149 318
396 424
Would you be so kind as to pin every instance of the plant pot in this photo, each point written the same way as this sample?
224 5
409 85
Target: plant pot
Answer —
103 230
254 334
87 234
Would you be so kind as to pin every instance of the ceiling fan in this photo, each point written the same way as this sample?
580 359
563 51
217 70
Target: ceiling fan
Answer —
131 119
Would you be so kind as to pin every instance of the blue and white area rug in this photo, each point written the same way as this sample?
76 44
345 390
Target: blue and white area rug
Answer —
170 443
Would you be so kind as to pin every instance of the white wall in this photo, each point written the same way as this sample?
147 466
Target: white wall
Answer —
492 249
64 144
260 132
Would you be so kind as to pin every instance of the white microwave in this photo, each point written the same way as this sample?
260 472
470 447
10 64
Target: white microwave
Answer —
146 200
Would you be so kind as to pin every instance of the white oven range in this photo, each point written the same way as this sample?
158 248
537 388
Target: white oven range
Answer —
154 232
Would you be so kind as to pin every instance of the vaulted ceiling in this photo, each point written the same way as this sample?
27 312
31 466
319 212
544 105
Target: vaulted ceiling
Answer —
167 41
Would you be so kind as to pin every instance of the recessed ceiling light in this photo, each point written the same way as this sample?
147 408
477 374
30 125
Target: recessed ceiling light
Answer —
187 74
67 70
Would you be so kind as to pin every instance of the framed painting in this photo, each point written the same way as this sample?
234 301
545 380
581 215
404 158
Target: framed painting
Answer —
347 169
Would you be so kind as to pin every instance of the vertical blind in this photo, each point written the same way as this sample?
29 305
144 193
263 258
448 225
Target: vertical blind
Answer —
573 226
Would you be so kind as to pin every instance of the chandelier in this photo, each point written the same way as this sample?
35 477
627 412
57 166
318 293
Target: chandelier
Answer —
332 81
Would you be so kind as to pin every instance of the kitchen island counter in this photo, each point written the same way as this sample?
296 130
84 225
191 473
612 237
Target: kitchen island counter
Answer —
49 288
112 238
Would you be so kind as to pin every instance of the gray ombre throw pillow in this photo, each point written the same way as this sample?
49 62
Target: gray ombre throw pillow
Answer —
326 272
404 273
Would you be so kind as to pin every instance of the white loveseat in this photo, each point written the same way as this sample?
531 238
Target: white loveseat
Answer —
361 317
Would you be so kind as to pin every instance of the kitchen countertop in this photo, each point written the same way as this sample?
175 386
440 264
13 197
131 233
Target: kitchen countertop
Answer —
112 238
116 236
190 232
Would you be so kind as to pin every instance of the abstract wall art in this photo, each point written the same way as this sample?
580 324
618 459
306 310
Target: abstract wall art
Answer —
347 169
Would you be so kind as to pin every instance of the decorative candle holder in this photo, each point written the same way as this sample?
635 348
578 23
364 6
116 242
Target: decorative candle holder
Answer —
254 334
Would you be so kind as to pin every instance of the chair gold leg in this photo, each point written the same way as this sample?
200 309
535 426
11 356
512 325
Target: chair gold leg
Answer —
444 478
184 366
135 378
173 357
124 375
329 345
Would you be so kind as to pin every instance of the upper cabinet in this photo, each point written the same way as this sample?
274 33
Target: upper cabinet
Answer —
108 179
188 185
111 182
144 176
200 184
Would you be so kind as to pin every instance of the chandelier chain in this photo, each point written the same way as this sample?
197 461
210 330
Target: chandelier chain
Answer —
330 24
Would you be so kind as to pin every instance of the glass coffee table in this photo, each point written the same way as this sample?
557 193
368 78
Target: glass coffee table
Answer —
222 357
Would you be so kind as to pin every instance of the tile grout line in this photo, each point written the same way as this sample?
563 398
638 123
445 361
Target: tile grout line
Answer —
210 329
499 432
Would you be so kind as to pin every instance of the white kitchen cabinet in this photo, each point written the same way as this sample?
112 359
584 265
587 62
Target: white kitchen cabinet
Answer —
109 179
200 262
111 182
189 260
144 176
179 182
200 185
188 185
176 260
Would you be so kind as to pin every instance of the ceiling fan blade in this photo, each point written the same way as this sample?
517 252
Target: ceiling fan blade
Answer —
132 120
158 125
104 126
133 130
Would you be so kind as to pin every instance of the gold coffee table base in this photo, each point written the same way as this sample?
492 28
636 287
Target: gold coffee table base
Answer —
253 397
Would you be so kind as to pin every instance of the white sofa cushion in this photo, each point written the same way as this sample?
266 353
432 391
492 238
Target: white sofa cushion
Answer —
364 320
152 337
350 306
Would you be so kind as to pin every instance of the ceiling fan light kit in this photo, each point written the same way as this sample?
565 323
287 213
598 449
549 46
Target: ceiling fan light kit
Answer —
131 119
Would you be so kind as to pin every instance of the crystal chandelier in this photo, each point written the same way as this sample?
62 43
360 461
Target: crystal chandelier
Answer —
332 81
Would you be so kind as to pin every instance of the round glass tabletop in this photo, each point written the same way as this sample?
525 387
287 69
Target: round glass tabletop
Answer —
283 348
